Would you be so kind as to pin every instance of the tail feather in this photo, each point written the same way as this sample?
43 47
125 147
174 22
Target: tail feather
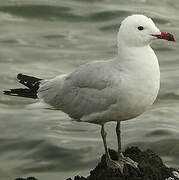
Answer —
32 84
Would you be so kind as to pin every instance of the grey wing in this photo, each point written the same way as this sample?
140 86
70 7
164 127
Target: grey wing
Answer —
88 90
50 89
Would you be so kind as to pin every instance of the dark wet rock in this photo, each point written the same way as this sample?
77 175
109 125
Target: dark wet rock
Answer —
150 166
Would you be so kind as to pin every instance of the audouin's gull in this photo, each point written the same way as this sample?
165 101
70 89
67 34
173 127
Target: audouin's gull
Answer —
115 90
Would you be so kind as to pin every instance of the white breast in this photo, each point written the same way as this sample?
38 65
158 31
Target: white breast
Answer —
140 83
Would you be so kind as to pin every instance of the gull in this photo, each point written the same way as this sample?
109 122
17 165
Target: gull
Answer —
119 89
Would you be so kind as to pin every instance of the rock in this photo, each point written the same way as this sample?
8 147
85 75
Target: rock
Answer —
150 166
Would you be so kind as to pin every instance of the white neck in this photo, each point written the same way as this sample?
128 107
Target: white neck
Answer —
138 61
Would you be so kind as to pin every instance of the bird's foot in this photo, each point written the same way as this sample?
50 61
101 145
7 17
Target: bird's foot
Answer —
120 163
127 160
115 164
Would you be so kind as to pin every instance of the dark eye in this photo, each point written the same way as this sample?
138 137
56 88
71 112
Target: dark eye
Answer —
140 28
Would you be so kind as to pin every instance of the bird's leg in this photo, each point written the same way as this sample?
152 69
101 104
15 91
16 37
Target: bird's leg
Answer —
110 163
118 133
123 160
104 134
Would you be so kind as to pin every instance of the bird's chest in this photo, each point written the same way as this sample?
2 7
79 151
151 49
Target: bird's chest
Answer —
139 89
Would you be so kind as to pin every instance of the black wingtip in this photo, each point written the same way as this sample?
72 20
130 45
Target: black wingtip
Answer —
21 92
32 84
9 93
6 92
19 76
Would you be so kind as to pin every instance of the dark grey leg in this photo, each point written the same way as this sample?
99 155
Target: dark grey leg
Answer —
110 163
121 158
104 134
118 133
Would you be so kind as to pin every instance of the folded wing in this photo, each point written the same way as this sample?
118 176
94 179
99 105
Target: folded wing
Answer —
88 90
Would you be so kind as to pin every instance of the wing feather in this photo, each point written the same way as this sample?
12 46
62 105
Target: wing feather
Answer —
88 90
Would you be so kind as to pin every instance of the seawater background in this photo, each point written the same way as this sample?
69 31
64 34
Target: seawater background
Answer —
50 37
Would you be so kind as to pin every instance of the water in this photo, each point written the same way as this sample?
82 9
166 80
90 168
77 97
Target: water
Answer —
47 38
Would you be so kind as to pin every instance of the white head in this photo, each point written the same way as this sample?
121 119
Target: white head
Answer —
139 30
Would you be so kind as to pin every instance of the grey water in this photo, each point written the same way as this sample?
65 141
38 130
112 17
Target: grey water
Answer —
46 38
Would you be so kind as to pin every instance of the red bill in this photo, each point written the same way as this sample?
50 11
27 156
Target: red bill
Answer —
165 35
